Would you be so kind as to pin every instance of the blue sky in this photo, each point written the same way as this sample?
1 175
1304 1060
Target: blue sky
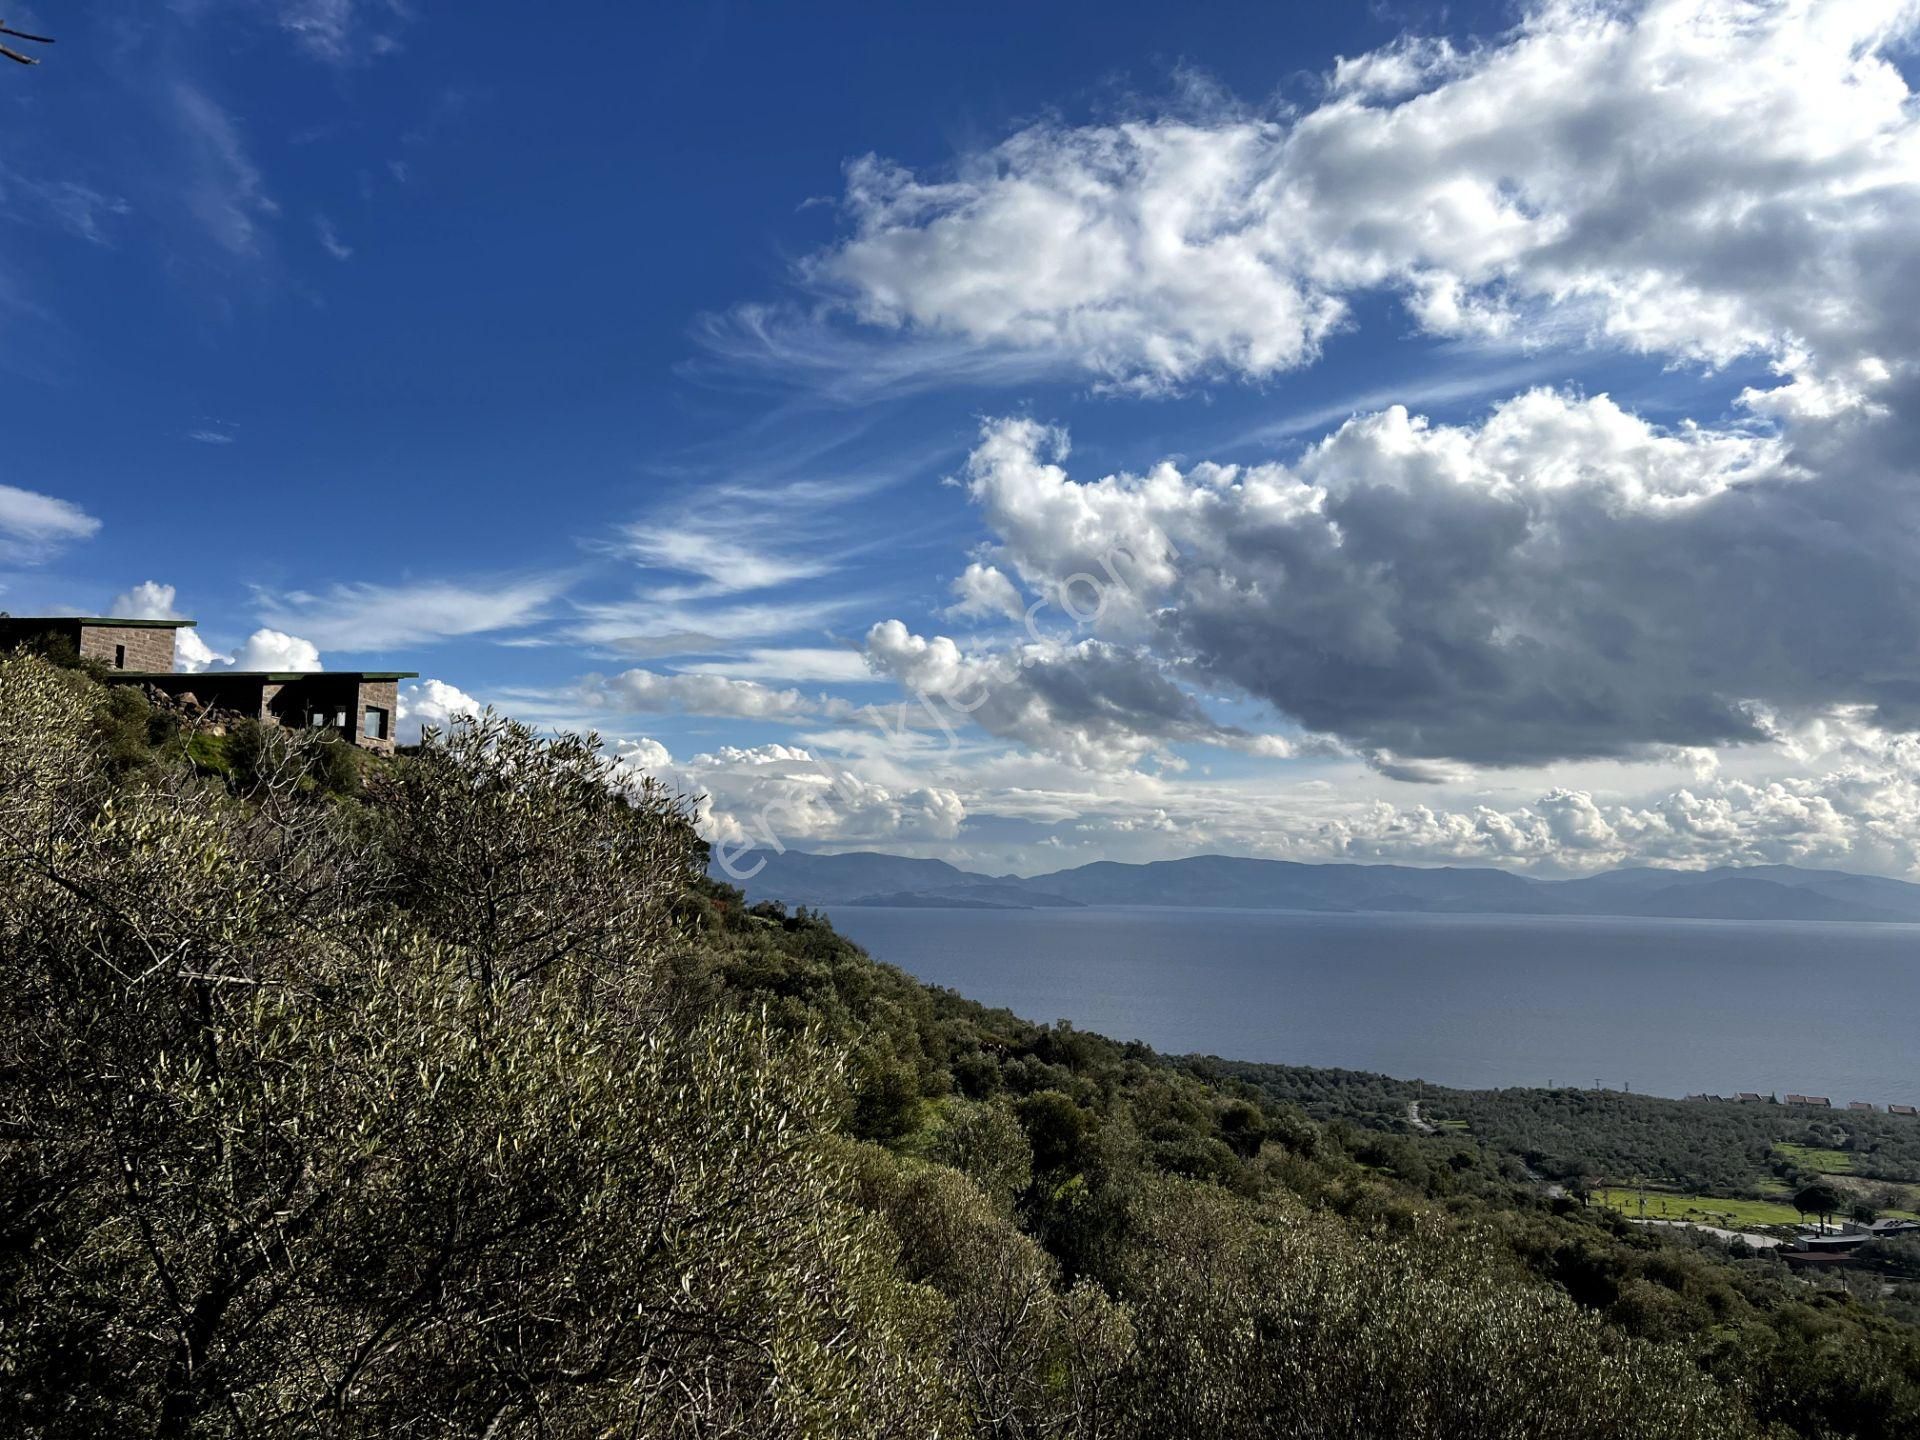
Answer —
666 369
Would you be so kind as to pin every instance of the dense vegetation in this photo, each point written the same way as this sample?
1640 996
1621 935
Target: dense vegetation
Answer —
1569 1134
445 1098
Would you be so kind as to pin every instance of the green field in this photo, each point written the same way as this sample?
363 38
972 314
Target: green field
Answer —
1702 1209
1811 1157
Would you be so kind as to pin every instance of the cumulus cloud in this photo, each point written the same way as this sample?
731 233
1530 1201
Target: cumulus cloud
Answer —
430 702
1560 580
33 526
765 796
1092 704
1687 177
759 800
1563 579
263 650
1860 817
192 654
983 592
1831 791
643 756
149 600
276 650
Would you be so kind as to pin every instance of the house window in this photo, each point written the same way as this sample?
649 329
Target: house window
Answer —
375 726
340 720
119 657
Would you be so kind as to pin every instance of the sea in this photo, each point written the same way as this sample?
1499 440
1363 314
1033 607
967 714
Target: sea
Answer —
1666 1007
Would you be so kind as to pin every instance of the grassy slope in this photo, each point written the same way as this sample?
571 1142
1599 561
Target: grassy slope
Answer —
1812 1157
1664 1204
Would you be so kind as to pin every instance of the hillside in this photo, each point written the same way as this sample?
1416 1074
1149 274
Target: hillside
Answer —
443 1096
1769 892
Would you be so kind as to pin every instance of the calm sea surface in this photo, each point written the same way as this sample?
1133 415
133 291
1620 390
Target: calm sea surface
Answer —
1666 1006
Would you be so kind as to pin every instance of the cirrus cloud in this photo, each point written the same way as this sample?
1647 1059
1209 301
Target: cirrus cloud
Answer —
33 526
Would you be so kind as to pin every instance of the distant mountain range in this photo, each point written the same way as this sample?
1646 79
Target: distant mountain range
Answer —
1759 892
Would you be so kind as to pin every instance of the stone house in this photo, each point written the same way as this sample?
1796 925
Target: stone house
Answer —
359 705
117 644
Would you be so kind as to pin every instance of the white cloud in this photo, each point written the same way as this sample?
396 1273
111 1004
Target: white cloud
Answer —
734 537
1728 602
149 600
264 650
775 754
1408 65
1091 704
330 240
78 209
430 702
827 665
643 754
33 525
637 692
721 551
767 794
1854 804
192 654
276 650
1687 177
1561 580
323 27
748 532
379 617
223 188
1861 818
984 592
647 627
781 793
342 33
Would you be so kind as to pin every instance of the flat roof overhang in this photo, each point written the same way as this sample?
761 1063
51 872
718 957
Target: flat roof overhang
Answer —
274 676
95 620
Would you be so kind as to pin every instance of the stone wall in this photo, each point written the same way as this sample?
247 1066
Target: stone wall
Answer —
148 647
382 695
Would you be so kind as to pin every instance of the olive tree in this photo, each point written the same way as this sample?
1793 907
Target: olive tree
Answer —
533 854
316 1119
1256 1320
